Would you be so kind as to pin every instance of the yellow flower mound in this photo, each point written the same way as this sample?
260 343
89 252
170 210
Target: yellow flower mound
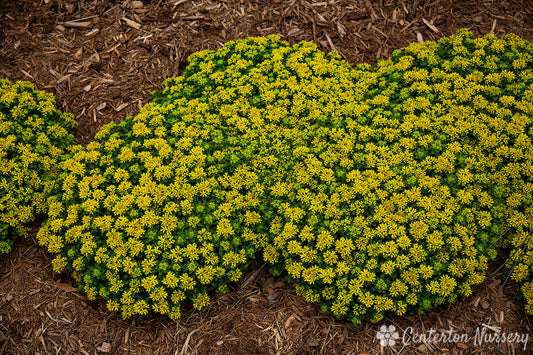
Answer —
33 136
170 204
376 190
405 201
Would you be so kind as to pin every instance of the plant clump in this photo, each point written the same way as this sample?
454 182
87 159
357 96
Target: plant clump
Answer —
173 203
376 190
33 137
425 177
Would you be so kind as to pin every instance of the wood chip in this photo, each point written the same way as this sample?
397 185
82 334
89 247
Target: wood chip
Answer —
484 304
26 73
493 26
121 107
340 29
430 25
320 17
294 31
212 7
423 348
78 53
252 276
63 78
494 285
105 347
55 73
192 18
379 31
92 32
70 8
131 23
312 341
419 37
288 321
65 287
187 340
112 49
493 328
73 24
330 42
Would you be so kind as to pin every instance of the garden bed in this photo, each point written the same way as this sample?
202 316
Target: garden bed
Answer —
101 59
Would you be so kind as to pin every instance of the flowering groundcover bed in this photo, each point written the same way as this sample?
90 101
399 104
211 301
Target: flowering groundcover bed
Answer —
288 126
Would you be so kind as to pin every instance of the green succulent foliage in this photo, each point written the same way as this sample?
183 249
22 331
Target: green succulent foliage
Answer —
492 103
376 190
403 207
33 137
170 203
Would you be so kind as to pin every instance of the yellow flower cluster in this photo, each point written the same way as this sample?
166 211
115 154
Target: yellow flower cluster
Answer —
167 205
33 136
376 191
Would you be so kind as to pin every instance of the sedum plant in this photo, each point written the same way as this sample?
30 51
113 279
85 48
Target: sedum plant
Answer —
173 203
431 171
33 137
376 190
494 110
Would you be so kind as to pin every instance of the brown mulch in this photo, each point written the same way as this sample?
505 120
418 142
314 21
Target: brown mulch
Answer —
102 59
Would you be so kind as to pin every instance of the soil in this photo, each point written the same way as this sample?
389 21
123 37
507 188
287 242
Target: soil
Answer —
101 59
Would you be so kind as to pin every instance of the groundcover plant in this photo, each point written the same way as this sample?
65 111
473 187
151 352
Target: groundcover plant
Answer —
175 201
424 178
375 190
33 137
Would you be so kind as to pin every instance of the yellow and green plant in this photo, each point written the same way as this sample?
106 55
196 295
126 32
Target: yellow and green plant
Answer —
377 191
33 137
406 199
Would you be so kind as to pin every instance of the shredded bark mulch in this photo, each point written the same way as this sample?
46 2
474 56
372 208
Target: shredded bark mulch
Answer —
102 59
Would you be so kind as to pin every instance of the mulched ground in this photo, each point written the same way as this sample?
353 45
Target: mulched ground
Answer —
102 59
